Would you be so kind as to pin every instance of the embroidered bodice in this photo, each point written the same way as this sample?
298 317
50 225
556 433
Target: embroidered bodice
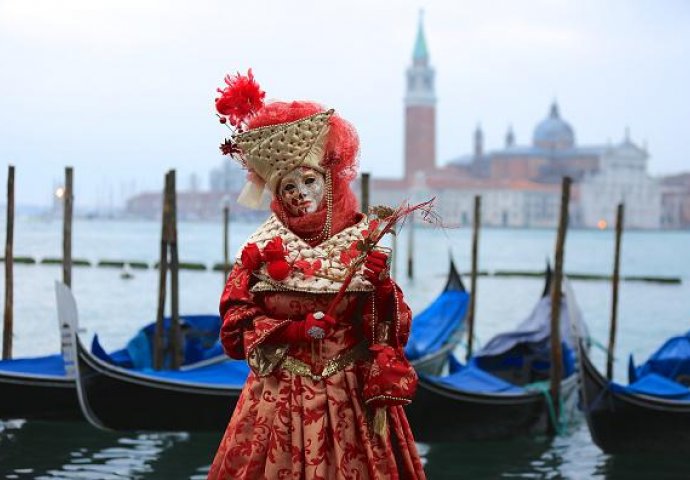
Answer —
326 263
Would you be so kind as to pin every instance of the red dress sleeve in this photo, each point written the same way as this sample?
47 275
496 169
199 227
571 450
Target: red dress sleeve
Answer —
245 326
402 317
388 309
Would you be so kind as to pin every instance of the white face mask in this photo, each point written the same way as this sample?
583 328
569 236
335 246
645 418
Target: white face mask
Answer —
302 191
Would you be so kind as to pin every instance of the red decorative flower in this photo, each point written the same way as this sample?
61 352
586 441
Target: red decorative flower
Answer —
274 250
346 256
251 257
373 225
278 269
308 269
240 99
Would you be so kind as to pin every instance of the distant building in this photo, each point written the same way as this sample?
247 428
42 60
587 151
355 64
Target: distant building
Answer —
519 184
675 201
621 176
226 181
420 111
228 177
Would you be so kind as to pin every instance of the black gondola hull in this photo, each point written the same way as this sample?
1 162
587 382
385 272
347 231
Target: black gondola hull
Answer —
433 364
115 399
440 414
620 422
38 397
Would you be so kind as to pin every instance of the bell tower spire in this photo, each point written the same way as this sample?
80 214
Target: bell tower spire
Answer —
420 109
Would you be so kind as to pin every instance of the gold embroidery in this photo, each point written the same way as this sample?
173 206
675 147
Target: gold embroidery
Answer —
266 284
264 359
333 365
388 397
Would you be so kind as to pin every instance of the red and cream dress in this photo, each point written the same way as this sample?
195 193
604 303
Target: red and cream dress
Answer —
301 414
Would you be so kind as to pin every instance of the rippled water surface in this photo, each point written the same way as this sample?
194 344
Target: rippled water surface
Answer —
115 308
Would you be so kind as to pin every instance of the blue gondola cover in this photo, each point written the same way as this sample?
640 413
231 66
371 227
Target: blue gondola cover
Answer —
433 327
471 378
672 360
655 385
52 365
227 373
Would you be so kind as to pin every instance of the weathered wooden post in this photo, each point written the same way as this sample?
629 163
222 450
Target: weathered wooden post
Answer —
476 223
366 177
614 302
226 241
158 340
8 323
556 351
175 332
68 201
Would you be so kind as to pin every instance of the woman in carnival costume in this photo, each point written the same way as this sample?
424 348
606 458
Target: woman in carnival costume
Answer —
310 305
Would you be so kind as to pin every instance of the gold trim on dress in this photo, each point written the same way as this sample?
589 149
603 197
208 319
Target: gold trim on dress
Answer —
267 285
333 366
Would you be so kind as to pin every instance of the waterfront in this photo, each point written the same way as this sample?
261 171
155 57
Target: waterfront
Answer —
649 313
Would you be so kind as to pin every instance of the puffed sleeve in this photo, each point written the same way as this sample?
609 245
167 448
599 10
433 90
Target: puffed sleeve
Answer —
245 326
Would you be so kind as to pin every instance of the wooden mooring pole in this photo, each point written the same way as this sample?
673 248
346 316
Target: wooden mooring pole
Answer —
556 351
8 322
159 336
226 242
68 200
175 333
366 177
614 302
473 279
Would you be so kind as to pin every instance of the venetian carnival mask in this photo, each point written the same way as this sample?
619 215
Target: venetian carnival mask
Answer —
301 191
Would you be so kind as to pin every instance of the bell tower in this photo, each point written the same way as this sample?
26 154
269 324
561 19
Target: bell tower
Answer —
420 110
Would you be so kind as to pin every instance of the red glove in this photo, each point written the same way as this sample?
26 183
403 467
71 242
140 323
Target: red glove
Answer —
376 268
315 326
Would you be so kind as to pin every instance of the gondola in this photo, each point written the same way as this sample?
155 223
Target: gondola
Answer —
438 329
37 388
203 399
651 413
112 397
45 387
501 392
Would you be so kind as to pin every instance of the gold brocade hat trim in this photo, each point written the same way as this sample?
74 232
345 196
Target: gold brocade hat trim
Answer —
274 150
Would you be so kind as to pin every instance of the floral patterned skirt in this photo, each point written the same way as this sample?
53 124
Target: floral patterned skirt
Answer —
287 426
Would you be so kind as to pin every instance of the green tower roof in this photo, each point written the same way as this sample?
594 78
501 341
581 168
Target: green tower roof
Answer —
420 50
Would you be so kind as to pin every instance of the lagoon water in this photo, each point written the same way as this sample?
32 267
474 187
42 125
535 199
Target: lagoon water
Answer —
115 308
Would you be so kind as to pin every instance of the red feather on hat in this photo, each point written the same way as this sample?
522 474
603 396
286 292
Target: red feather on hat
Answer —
240 99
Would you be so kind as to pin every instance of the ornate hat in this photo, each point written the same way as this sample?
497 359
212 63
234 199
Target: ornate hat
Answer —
274 150
271 151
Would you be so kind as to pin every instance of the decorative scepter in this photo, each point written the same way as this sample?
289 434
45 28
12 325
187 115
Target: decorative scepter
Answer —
387 220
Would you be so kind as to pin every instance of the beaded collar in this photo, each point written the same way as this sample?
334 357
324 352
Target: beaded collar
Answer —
328 255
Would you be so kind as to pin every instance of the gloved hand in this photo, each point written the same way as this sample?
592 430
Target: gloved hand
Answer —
376 268
318 325
315 326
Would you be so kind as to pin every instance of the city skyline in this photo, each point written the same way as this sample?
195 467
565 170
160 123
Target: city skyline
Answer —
78 92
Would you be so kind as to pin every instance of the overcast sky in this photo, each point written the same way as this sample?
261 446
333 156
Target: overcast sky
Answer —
123 89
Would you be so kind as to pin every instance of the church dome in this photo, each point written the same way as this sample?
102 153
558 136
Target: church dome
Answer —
554 132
